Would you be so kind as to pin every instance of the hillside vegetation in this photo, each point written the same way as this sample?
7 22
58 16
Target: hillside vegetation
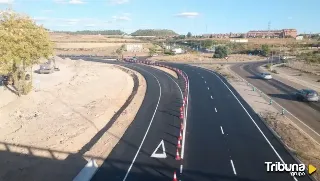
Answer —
154 32
93 32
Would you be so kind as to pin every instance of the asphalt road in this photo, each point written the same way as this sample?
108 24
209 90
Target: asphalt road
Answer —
283 94
156 120
226 140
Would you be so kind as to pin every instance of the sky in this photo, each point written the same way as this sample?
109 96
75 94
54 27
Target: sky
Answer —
195 16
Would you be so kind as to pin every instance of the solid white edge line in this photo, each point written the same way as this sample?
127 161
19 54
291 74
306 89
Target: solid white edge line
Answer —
185 120
221 130
186 110
215 109
275 151
145 135
181 169
233 168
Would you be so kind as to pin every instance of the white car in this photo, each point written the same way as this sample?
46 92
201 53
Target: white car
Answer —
266 76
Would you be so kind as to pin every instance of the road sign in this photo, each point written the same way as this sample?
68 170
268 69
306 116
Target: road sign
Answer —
160 155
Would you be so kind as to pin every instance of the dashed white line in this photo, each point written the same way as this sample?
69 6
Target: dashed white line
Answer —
215 109
205 82
211 97
208 88
181 168
221 130
202 77
233 168
264 136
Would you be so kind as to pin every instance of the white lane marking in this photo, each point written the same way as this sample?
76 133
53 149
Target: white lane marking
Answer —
221 130
202 76
233 168
205 82
185 120
215 109
160 155
211 97
275 151
87 172
208 88
145 135
181 168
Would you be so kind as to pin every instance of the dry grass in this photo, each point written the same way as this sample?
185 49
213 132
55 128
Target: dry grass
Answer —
63 37
307 150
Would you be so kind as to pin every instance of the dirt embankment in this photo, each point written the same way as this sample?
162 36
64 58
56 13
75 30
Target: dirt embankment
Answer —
78 113
171 72
206 57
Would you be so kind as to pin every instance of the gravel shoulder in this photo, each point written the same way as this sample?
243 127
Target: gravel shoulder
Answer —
66 120
303 147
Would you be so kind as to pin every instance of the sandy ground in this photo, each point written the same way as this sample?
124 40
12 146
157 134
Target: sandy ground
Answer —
206 57
307 150
171 72
100 49
68 118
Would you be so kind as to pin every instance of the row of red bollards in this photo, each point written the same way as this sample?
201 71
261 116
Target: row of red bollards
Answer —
182 108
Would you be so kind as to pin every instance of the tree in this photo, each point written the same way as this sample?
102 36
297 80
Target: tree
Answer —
189 35
22 44
265 50
220 52
208 43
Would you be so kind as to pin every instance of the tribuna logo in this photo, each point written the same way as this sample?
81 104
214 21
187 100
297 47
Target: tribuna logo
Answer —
294 169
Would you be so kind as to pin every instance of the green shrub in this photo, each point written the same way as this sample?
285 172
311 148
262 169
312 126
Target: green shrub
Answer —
221 52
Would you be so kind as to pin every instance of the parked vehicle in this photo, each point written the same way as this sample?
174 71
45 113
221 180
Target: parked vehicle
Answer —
266 76
307 95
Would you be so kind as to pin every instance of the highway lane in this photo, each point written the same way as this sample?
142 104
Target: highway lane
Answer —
155 121
225 139
283 94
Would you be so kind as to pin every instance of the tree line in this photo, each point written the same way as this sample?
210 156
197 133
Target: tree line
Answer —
154 32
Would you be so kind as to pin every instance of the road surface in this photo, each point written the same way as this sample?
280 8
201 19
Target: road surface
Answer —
307 112
225 139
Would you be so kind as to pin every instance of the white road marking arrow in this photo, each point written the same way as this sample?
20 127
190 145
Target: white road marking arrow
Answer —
160 155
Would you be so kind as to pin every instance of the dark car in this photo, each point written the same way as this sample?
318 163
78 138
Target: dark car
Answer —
307 95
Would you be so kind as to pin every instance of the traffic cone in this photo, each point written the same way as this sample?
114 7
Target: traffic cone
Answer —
181 115
177 155
175 176
180 136
179 145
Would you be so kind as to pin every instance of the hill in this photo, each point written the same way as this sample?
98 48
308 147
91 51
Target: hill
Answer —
93 32
154 32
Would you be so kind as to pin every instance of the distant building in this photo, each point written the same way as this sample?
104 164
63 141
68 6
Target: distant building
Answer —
239 40
299 38
177 50
134 47
272 33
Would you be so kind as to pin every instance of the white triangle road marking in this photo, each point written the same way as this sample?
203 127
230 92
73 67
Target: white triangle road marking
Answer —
160 155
